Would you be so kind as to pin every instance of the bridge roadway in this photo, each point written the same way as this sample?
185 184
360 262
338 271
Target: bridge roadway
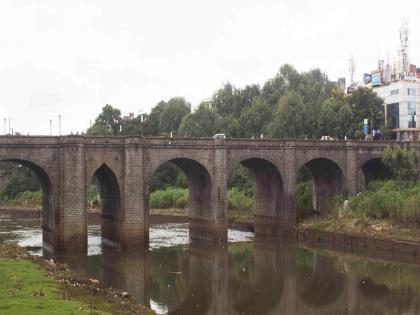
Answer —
124 166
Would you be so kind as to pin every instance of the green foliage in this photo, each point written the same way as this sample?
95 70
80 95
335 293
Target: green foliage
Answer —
253 119
168 175
304 199
402 163
230 101
290 105
288 120
169 198
172 114
25 288
241 178
335 117
178 198
202 123
151 123
304 175
365 104
237 200
107 123
395 200
15 179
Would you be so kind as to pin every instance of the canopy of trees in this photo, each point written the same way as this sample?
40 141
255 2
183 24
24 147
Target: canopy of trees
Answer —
290 105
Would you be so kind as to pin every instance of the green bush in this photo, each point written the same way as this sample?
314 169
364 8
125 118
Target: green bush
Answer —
304 199
178 198
34 196
241 179
24 198
395 200
169 198
238 200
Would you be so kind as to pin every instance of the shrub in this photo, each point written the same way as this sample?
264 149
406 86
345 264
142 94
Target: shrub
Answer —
169 198
238 200
304 199
395 200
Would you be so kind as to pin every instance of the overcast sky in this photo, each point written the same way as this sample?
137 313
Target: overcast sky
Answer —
73 57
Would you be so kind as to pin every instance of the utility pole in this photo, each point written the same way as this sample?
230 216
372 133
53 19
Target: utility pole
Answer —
50 127
5 124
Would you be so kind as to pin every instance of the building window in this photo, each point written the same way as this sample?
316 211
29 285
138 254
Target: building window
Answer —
393 115
395 92
411 115
411 91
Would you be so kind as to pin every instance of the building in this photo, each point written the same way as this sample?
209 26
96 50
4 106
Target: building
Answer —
401 105
399 86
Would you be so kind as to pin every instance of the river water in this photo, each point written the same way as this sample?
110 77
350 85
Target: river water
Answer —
249 276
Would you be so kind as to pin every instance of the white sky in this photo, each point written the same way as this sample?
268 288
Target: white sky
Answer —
73 57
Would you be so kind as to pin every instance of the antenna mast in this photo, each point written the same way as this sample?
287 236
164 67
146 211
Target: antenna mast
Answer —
352 69
404 46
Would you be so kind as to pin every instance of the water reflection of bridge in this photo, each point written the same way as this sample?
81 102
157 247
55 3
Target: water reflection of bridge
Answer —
275 279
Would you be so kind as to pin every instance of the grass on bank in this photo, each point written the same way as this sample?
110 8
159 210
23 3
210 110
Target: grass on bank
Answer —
387 209
26 288
30 285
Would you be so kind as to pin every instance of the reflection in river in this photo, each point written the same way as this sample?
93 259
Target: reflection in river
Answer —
253 277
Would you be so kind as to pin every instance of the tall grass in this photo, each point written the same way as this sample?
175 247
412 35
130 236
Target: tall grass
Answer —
395 200
24 199
169 198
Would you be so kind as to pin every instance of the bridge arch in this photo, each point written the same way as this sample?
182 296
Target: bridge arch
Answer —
111 210
49 202
200 185
372 169
328 181
268 196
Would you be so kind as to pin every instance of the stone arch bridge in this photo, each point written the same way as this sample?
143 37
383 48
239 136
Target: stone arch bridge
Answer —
123 166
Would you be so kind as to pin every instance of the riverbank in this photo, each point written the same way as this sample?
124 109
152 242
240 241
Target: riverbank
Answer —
365 227
33 285
375 238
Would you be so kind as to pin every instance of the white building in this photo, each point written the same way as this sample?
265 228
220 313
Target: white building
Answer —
401 107
399 86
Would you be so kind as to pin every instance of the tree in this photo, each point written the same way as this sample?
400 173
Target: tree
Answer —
225 100
168 175
15 179
202 123
335 116
315 88
402 163
286 79
254 119
365 104
288 121
151 123
171 116
108 122
132 127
